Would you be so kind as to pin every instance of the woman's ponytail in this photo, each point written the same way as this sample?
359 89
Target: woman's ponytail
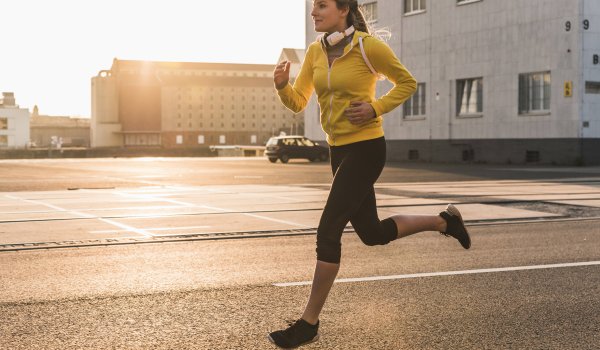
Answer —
356 17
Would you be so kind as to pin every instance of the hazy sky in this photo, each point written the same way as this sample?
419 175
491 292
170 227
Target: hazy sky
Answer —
50 49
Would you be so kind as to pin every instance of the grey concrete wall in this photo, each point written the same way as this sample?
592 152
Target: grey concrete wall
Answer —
498 151
591 71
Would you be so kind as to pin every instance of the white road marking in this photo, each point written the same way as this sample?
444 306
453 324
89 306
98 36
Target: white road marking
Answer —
153 229
446 273
77 213
86 216
192 205
259 217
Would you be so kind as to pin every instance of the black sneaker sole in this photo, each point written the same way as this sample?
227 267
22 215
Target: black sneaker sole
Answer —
299 345
454 212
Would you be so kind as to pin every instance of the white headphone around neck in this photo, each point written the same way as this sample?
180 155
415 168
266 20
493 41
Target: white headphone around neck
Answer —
335 38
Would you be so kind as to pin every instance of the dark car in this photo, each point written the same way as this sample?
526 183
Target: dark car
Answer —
285 148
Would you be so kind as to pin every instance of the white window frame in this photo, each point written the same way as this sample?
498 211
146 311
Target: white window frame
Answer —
179 139
539 83
253 139
409 7
369 9
469 97
416 105
200 139
465 2
222 139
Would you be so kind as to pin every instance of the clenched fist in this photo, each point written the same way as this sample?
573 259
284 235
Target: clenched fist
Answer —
281 74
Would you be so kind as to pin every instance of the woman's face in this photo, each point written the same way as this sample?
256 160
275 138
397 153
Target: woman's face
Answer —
327 17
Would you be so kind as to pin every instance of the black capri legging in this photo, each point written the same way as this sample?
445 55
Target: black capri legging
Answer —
355 167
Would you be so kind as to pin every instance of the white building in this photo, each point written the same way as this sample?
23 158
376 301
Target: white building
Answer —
14 123
503 81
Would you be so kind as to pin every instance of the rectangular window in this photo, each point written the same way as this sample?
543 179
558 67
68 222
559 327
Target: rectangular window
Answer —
370 11
469 96
253 139
179 139
415 105
534 92
3 140
222 139
413 154
411 6
3 123
591 87
532 156
200 139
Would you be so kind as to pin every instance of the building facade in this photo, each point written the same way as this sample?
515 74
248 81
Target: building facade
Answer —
177 104
49 131
14 123
506 81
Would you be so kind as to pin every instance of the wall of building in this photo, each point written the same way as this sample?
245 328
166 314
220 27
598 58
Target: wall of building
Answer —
14 127
75 132
158 101
496 41
591 69
312 123
105 126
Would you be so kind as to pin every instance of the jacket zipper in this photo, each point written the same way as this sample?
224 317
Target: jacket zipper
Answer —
329 68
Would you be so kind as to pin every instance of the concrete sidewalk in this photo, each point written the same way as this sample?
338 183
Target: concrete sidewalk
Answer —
105 216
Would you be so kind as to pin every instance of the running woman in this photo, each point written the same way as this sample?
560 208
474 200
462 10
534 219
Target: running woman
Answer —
344 78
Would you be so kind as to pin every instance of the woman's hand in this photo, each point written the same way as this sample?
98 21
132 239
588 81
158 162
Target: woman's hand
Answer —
281 74
359 112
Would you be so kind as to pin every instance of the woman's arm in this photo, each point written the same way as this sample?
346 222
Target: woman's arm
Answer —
385 62
295 97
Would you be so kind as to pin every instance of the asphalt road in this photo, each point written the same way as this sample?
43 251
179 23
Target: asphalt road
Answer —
222 294
61 174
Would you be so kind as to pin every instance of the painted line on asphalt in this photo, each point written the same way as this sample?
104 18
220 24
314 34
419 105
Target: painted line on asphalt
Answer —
222 210
446 273
154 229
86 216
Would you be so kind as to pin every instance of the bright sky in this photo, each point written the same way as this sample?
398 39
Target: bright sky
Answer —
50 49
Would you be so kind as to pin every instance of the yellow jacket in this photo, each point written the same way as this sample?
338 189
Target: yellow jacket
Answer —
349 79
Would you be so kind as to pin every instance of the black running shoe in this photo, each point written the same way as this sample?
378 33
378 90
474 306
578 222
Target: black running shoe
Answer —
455 226
297 334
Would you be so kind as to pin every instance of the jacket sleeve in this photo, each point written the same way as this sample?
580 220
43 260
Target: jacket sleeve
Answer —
385 62
296 97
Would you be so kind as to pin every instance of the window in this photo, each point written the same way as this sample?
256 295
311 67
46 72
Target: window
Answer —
416 104
3 123
200 139
413 154
3 140
221 139
370 11
469 96
411 6
253 139
179 139
532 156
534 92
591 87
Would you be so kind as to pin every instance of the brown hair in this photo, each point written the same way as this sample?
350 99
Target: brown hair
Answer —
355 17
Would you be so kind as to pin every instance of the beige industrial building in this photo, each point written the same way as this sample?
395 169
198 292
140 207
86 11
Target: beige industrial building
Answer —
188 104
49 131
